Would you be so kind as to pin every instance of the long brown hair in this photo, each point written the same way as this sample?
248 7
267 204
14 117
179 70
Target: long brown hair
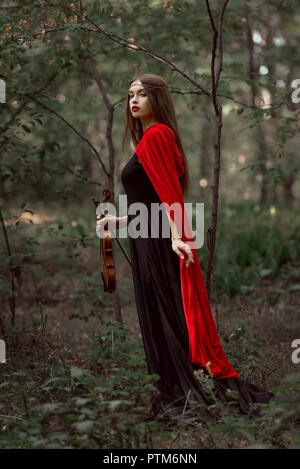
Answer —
163 112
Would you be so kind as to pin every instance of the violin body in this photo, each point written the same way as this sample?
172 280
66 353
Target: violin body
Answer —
106 251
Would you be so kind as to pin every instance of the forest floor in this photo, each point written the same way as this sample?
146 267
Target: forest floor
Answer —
270 310
277 324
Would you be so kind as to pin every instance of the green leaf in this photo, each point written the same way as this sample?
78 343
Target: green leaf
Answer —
77 372
294 287
84 427
264 272
113 405
27 129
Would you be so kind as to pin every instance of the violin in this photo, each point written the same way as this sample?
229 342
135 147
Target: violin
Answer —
106 251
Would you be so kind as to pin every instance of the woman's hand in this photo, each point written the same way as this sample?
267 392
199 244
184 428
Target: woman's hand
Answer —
100 232
182 248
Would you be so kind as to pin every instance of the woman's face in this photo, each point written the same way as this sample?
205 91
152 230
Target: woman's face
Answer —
138 99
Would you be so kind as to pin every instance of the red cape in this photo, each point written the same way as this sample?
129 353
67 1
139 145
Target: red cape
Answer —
158 153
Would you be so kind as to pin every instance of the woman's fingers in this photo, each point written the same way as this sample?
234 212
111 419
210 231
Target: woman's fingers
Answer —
180 254
189 253
101 222
182 250
103 233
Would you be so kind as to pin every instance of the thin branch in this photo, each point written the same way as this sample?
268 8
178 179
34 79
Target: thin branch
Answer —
213 58
33 98
129 44
211 17
217 51
212 229
12 119
199 91
110 109
99 82
250 43
11 268
220 42
138 47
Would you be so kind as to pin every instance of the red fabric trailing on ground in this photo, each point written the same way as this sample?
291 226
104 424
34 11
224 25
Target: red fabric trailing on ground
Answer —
158 153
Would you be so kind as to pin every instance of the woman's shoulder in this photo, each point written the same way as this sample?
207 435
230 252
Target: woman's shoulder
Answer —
160 129
157 135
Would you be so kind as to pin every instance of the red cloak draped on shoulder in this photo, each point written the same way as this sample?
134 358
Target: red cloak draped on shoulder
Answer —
158 153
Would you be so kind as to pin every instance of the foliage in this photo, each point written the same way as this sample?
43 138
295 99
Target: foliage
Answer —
103 406
253 246
276 426
70 407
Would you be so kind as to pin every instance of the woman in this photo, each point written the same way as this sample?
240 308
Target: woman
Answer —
177 325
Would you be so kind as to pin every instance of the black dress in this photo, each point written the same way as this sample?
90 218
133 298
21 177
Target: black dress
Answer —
156 278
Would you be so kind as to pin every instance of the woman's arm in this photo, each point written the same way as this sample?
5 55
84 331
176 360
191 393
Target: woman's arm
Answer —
163 163
116 223
178 245
174 231
122 222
